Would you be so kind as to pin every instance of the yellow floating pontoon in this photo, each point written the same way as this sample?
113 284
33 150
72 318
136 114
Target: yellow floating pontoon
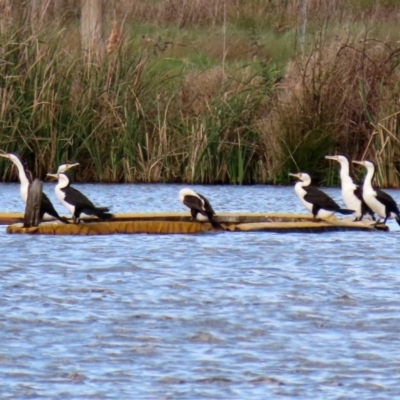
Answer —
167 223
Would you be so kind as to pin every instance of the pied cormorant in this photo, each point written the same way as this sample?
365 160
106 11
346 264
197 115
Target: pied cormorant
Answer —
200 207
76 202
46 207
351 193
314 199
379 201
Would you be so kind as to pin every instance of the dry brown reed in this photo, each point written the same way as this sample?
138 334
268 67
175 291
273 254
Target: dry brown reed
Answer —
332 99
185 109
113 40
384 150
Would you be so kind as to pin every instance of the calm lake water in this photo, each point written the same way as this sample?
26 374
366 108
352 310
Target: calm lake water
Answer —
209 316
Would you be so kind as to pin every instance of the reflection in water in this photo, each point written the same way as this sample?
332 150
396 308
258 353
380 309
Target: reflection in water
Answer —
226 315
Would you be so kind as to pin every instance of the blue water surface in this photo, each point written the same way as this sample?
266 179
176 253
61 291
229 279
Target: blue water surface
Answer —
254 315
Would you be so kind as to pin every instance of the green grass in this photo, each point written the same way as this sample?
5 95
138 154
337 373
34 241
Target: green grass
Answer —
190 100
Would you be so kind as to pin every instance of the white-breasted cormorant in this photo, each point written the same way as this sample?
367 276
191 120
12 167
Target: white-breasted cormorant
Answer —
76 202
315 200
379 201
46 207
351 192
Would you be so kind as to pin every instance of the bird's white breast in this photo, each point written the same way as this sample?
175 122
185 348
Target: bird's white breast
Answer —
376 206
350 199
300 192
61 197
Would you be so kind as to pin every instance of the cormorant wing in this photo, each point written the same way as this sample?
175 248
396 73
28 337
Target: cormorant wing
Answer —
320 198
358 193
76 198
46 206
207 205
387 200
193 202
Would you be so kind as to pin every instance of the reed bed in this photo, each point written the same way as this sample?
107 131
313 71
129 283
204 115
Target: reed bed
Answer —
203 92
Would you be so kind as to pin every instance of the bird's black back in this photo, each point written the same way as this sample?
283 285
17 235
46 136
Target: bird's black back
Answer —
76 198
194 203
320 198
207 205
387 200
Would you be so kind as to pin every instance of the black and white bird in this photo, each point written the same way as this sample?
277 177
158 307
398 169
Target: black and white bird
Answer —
200 207
76 202
46 207
315 200
379 201
351 192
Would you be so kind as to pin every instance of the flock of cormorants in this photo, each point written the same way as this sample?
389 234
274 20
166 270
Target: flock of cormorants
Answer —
77 203
360 201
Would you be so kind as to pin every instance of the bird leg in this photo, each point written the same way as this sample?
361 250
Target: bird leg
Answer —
377 222
76 220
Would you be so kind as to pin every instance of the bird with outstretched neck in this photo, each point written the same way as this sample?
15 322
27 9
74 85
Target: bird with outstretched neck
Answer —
46 207
351 192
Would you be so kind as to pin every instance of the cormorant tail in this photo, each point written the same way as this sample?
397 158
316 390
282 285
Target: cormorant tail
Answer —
55 215
99 212
214 223
345 211
103 209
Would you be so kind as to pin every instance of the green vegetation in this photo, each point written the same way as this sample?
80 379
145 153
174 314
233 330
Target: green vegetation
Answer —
205 92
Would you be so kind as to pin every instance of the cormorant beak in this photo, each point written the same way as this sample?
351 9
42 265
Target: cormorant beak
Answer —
72 165
295 175
359 162
55 176
65 167
5 155
331 158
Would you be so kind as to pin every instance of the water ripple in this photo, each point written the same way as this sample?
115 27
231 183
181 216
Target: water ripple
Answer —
241 315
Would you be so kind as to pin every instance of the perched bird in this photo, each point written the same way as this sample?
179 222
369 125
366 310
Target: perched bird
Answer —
314 199
351 193
200 207
46 207
379 201
76 202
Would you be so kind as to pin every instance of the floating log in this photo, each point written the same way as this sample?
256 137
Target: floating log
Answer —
167 223
11 218
227 218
